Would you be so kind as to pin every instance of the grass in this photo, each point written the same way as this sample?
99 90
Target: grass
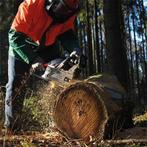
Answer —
141 120
38 107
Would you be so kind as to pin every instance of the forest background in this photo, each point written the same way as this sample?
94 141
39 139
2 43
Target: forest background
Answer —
112 35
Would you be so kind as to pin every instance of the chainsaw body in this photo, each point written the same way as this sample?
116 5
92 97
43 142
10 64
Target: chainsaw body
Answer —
59 70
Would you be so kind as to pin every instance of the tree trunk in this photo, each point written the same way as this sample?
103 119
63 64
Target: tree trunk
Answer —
3 57
115 43
89 38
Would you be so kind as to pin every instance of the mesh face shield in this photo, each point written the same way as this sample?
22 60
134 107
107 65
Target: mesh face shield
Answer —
59 10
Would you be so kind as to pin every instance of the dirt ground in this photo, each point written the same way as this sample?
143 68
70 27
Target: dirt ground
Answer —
133 133
136 135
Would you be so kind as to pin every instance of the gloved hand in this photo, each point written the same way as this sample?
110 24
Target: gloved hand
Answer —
78 58
70 61
74 54
75 57
37 64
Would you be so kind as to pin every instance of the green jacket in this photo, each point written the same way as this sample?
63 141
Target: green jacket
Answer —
23 48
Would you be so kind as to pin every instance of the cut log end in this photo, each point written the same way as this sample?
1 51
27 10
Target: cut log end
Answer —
81 112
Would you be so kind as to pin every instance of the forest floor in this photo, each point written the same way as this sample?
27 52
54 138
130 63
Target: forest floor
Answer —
39 131
133 137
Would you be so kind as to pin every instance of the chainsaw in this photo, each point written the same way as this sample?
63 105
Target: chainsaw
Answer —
59 70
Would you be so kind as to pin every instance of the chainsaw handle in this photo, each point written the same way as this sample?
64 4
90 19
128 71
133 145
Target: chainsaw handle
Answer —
67 63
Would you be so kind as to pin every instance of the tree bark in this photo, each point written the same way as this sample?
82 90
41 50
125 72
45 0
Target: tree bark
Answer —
115 44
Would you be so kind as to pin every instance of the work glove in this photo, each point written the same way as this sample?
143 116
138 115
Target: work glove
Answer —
70 61
74 57
78 58
37 64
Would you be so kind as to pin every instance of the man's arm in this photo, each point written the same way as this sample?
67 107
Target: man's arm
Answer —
21 47
69 41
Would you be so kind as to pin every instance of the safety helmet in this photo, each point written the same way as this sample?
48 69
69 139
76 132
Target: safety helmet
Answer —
61 10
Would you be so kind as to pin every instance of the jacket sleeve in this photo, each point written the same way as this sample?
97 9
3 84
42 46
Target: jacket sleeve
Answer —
69 41
24 17
21 47
19 44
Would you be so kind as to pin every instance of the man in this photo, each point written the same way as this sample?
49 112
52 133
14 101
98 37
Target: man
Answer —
37 29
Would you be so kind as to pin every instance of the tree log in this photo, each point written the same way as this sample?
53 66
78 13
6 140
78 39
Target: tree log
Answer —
84 109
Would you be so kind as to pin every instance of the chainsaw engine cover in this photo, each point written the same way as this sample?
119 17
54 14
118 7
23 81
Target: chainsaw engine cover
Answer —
54 71
56 62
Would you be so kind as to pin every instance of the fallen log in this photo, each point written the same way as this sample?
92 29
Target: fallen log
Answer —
86 109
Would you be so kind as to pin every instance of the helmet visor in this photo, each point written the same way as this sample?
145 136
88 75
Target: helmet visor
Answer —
61 10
